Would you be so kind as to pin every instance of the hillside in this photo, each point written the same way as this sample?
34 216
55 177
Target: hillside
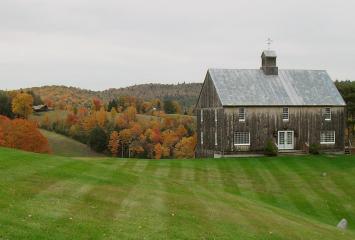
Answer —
65 146
51 197
185 93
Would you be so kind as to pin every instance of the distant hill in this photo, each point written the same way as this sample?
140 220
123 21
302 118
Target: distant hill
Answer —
185 93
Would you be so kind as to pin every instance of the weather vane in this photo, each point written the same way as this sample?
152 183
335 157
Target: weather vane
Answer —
268 42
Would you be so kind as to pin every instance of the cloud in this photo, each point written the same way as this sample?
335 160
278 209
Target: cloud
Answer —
103 44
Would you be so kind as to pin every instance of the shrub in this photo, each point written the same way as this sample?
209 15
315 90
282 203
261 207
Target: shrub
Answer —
270 148
314 149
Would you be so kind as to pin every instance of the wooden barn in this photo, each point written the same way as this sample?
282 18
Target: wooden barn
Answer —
240 110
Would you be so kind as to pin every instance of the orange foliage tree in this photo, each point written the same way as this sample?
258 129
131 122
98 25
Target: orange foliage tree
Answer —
22 134
185 148
158 151
113 143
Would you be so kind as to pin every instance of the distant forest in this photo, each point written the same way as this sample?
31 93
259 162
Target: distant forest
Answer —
185 93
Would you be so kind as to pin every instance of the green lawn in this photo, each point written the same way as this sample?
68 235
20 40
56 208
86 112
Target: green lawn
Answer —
65 146
51 197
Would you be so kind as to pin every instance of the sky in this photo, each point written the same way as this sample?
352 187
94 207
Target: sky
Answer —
114 43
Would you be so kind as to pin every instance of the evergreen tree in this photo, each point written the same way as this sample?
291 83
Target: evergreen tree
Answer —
98 139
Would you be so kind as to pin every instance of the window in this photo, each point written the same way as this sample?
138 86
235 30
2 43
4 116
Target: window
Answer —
327 137
241 138
201 115
201 138
241 114
285 114
327 114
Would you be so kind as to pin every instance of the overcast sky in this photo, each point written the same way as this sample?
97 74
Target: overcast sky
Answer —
115 43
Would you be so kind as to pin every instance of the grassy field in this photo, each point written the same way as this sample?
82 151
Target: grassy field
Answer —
65 146
51 197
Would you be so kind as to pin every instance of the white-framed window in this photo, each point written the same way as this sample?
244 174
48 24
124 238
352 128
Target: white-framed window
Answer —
201 115
215 138
241 114
327 137
327 112
201 138
285 114
241 138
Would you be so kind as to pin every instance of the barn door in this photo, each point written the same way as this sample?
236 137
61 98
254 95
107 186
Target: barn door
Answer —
285 140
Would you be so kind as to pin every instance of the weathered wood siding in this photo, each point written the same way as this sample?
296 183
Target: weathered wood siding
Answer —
263 123
208 102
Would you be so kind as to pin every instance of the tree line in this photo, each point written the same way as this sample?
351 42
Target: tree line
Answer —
128 127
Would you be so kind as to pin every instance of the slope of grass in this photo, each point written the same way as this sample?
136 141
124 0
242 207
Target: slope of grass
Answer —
50 197
65 146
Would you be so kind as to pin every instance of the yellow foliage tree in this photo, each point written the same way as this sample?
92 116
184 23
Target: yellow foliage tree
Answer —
101 117
22 104
131 113
113 114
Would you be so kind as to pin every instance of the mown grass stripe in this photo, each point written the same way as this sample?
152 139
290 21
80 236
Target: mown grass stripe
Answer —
257 181
227 176
331 202
294 194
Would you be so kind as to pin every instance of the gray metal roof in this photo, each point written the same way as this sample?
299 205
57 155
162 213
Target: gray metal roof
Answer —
241 87
269 53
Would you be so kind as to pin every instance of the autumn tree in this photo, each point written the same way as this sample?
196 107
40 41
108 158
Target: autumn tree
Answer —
22 105
113 143
136 150
185 148
22 134
126 136
113 114
131 113
71 119
181 131
96 103
2 137
121 122
101 117
158 151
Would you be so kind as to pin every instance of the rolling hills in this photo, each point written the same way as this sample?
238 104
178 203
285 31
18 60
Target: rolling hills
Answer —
52 197
185 93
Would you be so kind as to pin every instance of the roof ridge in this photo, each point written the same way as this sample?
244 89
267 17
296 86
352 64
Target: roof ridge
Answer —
258 69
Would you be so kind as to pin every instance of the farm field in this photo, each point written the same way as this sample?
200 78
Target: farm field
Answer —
65 146
289 197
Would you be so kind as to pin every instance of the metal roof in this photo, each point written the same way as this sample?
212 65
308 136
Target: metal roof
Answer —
269 53
242 87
